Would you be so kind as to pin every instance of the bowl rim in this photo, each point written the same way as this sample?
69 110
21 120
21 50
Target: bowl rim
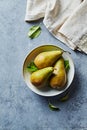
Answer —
25 59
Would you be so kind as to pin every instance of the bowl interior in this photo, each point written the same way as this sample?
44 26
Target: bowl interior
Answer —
47 91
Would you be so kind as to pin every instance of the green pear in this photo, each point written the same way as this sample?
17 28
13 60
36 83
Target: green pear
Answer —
58 80
48 58
39 77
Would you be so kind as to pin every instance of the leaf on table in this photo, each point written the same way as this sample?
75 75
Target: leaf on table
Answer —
65 98
53 108
67 65
32 67
34 32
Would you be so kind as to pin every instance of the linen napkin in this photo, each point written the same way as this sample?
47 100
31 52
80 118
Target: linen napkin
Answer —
65 19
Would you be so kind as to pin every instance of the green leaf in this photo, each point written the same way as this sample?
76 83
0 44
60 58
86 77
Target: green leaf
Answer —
32 67
67 65
34 32
65 98
53 108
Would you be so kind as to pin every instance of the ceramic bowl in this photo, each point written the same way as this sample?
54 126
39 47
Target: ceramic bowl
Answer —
47 91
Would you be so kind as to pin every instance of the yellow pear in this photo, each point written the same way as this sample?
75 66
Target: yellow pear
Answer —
39 77
48 58
58 80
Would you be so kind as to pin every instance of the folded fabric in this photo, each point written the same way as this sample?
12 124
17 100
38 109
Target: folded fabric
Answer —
35 9
65 19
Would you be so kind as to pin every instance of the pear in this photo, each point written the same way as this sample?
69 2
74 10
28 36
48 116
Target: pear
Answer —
58 80
48 58
39 77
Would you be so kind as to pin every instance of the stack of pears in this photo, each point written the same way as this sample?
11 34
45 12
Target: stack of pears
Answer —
51 68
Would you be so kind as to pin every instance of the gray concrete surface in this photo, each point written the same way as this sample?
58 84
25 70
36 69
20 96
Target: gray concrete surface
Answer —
20 108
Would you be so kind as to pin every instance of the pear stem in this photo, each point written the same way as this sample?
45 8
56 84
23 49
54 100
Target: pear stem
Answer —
67 51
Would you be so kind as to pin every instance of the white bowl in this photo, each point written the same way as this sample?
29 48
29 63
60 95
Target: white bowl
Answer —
47 91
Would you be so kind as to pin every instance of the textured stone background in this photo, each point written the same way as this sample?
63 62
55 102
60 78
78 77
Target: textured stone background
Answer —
20 108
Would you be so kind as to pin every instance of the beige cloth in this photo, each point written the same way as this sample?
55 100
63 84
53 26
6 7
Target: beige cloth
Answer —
65 19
